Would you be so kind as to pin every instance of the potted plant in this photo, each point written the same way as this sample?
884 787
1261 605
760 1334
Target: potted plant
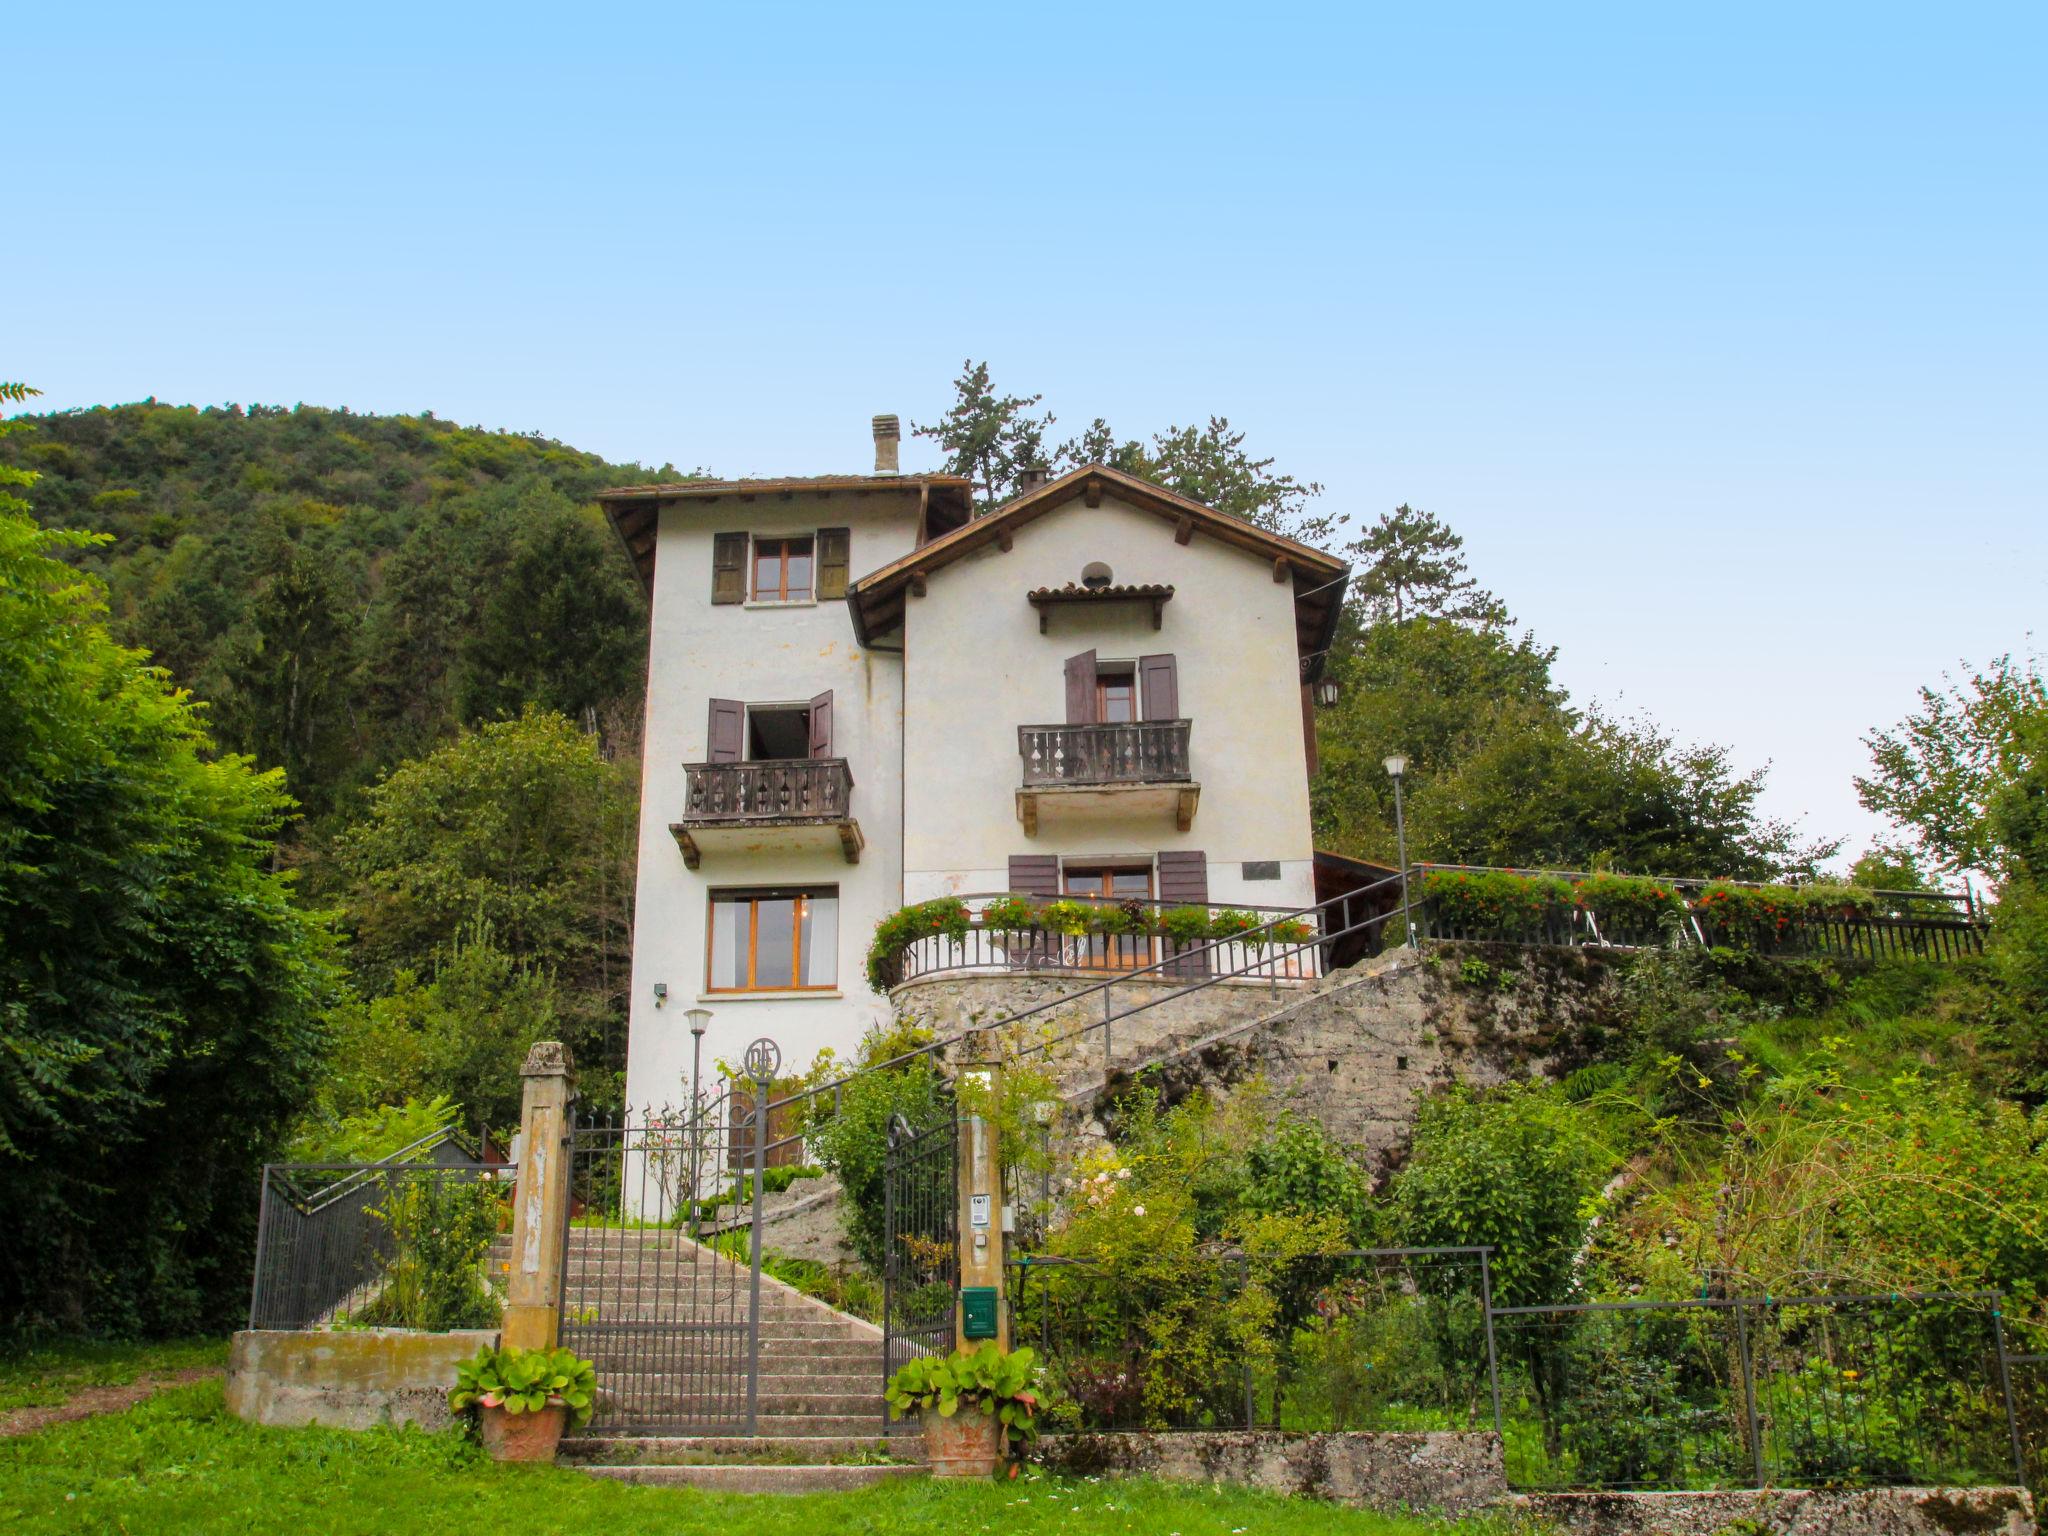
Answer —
523 1398
974 1406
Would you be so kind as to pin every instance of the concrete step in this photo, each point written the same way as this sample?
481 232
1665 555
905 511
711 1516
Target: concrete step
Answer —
904 1442
690 1396
771 1478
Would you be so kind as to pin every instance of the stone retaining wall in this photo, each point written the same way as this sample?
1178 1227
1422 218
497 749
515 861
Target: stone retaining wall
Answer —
1452 1472
352 1379
1791 1512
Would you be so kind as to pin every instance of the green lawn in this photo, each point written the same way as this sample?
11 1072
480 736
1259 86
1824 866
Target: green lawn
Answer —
52 1374
180 1463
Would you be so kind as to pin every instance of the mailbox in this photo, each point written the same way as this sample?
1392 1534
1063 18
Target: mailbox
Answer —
978 1311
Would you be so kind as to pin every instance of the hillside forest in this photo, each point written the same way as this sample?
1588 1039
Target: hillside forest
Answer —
321 807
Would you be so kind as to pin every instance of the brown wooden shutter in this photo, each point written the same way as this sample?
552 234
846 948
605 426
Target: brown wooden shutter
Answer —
1308 725
1035 874
728 567
835 553
1081 689
1158 688
728 731
821 725
1184 880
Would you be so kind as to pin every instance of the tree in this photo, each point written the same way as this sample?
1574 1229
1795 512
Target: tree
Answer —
563 629
1936 771
988 438
161 994
1210 465
522 825
1513 1170
1411 565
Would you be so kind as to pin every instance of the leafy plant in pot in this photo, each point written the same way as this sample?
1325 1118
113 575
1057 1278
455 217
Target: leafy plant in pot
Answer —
524 1397
975 1407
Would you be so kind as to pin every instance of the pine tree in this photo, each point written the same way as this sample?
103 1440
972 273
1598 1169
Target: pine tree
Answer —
1410 564
987 437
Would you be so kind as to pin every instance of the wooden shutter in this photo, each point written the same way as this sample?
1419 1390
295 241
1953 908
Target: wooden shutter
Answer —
835 552
728 567
1158 689
1035 874
1184 879
1308 725
1081 689
821 725
728 731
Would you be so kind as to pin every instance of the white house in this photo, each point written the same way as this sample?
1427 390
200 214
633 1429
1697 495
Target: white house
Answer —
860 695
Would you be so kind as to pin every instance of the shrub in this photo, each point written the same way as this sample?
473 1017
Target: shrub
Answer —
1009 914
434 1277
947 915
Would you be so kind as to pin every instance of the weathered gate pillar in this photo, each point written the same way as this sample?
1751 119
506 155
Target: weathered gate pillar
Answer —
983 1313
540 1215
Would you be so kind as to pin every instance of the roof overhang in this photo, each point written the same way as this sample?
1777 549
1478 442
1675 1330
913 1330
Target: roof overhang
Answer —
944 503
877 599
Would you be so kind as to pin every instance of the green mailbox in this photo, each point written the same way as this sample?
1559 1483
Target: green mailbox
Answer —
978 1311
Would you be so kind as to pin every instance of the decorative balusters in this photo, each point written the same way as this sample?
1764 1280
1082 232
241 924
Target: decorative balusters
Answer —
1145 752
788 790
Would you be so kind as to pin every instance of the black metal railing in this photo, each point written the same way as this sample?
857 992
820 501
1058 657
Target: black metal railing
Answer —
1855 937
671 1321
1364 1339
379 1245
1842 1391
1140 752
920 1235
795 789
1253 955
2028 1376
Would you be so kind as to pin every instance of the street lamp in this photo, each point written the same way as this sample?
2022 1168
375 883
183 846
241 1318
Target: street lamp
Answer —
1396 765
698 1017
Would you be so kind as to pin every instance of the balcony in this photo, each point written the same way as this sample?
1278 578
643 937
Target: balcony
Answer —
1098 772
795 805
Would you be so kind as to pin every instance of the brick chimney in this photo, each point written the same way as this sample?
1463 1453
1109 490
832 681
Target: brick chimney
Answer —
1031 476
888 433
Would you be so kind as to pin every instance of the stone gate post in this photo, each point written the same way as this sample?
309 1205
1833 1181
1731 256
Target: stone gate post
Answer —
983 1314
533 1296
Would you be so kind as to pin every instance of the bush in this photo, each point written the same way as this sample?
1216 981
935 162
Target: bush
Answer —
434 1277
853 1142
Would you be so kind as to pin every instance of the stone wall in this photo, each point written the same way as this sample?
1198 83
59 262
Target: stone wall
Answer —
1791 1512
1446 1471
1358 1049
355 1379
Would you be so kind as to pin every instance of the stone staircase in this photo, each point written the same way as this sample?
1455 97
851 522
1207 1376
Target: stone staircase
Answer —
820 1423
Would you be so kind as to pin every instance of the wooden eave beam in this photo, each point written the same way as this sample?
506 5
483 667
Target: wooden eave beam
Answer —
1184 530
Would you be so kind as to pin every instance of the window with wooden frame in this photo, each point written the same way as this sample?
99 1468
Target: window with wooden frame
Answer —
774 940
1108 885
783 569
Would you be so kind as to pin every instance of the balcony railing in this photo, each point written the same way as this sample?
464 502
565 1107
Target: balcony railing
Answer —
1147 752
797 789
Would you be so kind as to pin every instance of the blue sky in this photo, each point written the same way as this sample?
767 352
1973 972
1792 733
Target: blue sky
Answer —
1719 335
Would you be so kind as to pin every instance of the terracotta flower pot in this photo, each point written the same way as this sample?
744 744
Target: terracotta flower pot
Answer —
969 1444
523 1436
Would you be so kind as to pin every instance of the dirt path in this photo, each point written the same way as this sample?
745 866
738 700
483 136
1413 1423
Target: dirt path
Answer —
87 1401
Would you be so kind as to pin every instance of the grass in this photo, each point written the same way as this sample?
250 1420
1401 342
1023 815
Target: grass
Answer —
180 1463
54 1373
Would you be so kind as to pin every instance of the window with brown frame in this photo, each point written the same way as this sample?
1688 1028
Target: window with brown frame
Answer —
783 570
1123 951
1116 693
774 940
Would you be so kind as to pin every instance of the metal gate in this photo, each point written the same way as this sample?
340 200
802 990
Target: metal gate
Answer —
2029 1389
921 1252
661 1261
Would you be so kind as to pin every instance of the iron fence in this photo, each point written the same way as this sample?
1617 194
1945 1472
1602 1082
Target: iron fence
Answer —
1357 1340
379 1245
671 1323
2028 1378
921 1245
1844 1391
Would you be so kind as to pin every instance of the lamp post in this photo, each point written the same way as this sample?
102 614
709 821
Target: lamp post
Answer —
693 1137
1397 765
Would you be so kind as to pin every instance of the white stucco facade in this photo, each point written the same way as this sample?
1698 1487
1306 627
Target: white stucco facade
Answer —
759 654
925 714
977 667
